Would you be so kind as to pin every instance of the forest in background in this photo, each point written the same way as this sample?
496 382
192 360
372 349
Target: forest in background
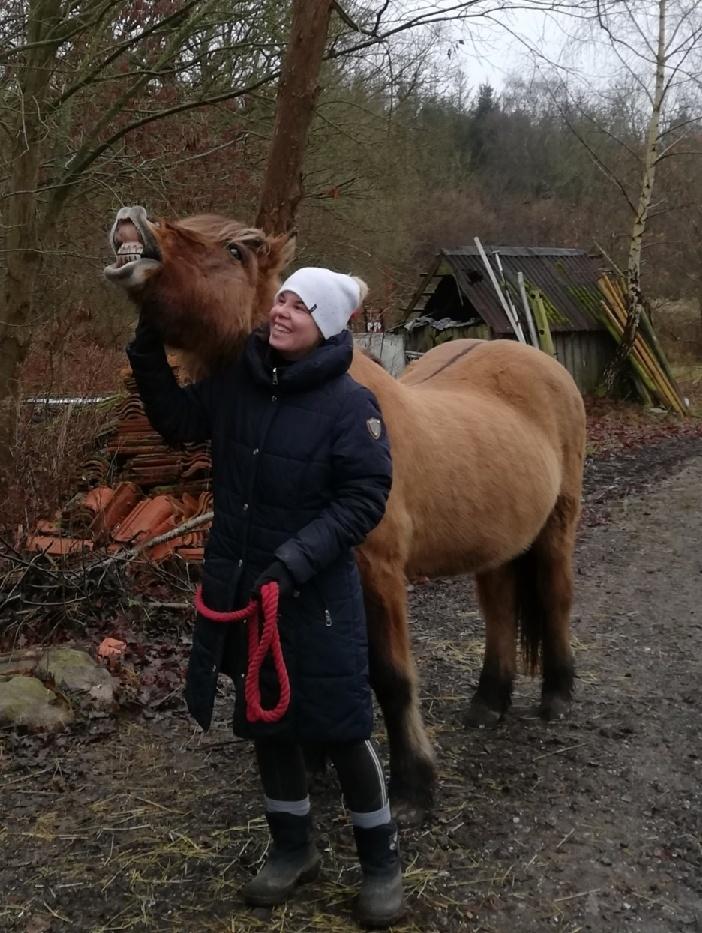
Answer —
171 104
404 158
393 173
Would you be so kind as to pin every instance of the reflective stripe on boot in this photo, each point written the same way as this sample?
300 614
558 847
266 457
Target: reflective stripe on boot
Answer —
380 900
293 860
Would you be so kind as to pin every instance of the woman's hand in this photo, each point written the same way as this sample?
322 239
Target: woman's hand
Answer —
146 336
278 573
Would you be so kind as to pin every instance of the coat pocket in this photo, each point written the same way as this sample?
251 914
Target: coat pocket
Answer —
203 669
321 613
220 579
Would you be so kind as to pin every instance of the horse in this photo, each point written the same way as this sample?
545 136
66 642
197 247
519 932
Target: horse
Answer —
488 443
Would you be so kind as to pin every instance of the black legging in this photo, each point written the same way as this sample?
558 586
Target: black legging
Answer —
284 776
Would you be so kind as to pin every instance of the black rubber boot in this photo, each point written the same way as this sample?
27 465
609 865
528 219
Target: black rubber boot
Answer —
380 902
292 860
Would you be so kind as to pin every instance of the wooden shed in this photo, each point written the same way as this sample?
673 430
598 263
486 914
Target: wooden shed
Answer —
457 298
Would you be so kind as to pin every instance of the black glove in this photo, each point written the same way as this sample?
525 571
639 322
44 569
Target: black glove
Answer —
146 336
278 573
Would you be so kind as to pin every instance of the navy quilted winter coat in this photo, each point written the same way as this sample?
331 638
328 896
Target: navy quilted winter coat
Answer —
298 476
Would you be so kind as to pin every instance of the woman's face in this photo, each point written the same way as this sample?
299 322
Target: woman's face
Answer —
293 332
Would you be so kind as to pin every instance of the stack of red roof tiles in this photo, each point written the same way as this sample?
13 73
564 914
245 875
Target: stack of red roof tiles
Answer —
135 488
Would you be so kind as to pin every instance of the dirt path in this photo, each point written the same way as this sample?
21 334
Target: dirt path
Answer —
590 824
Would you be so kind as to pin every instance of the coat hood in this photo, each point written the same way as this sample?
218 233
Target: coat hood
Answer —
330 359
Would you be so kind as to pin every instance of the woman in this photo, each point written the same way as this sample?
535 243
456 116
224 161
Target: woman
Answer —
301 474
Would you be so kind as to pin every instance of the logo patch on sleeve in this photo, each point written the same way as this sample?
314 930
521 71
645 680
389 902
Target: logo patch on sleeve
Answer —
375 428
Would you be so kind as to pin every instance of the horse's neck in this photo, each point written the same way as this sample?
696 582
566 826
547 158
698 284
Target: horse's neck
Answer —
389 392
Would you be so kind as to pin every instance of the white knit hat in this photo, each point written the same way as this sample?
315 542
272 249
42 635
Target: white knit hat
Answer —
330 297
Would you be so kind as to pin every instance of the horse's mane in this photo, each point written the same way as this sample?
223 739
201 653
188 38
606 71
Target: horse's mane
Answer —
222 228
372 356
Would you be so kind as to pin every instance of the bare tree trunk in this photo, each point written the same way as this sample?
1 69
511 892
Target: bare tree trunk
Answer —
297 94
634 295
23 237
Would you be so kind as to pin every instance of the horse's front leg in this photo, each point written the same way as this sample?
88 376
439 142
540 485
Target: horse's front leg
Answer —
394 681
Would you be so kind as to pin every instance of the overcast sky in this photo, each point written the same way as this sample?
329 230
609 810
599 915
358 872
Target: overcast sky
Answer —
527 41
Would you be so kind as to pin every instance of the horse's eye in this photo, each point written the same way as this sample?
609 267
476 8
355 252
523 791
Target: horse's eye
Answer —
234 251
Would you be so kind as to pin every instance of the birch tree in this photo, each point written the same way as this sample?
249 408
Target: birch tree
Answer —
658 45
656 49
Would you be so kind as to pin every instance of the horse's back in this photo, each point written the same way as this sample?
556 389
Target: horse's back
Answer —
497 364
525 379
434 361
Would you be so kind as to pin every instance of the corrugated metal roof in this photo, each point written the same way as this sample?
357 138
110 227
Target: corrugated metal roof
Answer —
566 278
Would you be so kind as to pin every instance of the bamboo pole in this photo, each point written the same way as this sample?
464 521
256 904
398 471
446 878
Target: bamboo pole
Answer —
504 285
527 310
617 307
643 363
544 331
659 380
644 394
614 288
615 331
649 357
663 390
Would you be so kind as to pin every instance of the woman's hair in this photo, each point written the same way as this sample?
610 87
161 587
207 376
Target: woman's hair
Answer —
362 288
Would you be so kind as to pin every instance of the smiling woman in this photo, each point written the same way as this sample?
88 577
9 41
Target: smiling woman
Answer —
301 474
312 305
293 332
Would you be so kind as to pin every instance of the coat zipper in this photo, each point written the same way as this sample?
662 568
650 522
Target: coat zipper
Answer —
327 618
275 375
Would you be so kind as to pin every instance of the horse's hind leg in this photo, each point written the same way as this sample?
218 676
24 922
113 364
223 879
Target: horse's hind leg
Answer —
552 559
497 596
394 681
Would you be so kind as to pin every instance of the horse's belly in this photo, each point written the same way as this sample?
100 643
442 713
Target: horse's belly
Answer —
486 519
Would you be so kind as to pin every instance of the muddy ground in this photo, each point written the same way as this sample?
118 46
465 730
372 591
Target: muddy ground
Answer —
141 823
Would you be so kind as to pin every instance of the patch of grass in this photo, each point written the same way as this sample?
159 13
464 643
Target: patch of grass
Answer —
689 378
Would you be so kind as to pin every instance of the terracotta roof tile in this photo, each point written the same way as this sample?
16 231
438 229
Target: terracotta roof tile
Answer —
56 546
137 488
98 498
191 554
146 519
126 496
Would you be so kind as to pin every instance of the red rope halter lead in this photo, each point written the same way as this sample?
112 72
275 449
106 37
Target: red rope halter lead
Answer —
258 648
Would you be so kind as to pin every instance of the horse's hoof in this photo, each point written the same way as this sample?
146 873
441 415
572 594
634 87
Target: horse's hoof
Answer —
408 815
554 707
480 716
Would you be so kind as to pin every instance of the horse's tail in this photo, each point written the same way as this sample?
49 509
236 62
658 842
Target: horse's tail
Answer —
544 580
530 609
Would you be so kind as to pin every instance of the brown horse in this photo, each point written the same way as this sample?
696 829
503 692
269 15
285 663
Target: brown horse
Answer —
487 440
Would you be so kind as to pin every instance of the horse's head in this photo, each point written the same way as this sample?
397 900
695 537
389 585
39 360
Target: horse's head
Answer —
205 282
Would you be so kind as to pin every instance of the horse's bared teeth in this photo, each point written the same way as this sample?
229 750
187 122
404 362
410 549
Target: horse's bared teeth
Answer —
124 259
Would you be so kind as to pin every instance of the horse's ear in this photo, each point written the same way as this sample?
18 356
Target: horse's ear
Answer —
273 252
280 251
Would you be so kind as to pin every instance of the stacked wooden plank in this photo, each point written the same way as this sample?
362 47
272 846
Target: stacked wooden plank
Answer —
646 356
